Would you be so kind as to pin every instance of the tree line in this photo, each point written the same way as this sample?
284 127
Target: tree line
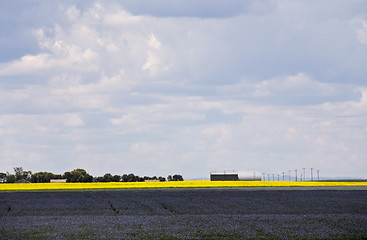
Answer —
78 175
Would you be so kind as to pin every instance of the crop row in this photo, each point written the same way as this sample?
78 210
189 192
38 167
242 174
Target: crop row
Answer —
183 214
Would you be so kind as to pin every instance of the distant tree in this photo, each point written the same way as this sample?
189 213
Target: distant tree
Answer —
99 179
10 178
68 176
124 178
177 177
27 176
116 178
169 178
87 178
131 178
78 175
108 177
43 177
127 178
2 175
162 179
21 175
18 173
56 176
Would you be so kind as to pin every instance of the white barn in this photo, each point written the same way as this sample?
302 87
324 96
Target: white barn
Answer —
233 175
57 180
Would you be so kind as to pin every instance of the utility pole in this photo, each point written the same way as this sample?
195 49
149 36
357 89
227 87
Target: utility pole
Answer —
273 177
289 175
278 177
318 175
264 176
268 177
304 174
311 174
296 174
283 176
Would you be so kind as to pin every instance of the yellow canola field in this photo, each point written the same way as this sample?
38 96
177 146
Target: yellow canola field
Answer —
179 184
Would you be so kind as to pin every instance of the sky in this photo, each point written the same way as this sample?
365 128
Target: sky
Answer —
159 87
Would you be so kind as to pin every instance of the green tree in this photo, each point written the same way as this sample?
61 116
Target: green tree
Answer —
177 177
27 175
108 177
131 178
39 177
78 175
44 177
87 178
2 177
18 173
124 178
99 179
21 175
10 178
116 178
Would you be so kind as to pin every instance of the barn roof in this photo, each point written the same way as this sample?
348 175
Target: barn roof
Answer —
224 172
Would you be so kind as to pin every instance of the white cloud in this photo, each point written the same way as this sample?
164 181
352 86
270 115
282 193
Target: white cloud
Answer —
81 148
119 17
73 120
361 29
142 148
72 13
346 109
153 42
126 119
152 62
297 85
68 57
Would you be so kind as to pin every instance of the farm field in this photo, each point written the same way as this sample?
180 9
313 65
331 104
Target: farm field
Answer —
214 213
171 184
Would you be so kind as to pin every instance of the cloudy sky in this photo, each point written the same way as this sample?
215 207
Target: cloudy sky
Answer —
171 86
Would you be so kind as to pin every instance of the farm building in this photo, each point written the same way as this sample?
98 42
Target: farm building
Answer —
57 180
232 175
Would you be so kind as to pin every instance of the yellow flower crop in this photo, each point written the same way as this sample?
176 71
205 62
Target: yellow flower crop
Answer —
172 184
